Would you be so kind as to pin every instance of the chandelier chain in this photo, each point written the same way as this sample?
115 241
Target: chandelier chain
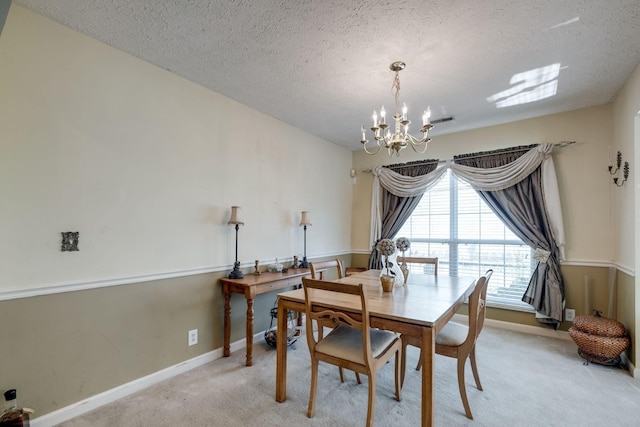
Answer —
396 86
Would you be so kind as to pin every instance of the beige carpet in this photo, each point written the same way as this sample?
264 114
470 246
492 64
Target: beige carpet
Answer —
528 381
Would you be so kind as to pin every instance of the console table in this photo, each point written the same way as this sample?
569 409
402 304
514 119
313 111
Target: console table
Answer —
250 286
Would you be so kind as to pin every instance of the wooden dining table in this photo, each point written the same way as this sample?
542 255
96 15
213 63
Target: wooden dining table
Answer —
419 308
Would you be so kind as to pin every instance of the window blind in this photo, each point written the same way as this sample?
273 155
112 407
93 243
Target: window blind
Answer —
453 223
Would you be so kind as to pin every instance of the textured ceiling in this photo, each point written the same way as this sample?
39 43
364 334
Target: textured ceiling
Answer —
323 66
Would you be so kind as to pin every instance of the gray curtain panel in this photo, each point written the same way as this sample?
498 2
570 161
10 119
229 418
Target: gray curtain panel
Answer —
396 210
522 209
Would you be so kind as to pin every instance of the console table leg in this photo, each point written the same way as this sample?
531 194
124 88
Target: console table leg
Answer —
249 331
227 324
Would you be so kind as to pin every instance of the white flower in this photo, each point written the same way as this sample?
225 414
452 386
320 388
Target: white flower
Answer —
403 244
386 247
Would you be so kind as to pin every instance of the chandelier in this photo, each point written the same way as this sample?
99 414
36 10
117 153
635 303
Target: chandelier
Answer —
400 138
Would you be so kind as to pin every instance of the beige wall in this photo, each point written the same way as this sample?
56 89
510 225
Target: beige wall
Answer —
625 204
146 166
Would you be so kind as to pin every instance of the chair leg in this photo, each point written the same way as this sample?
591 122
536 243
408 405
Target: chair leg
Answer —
419 365
314 384
372 399
474 368
403 362
463 390
399 374
342 376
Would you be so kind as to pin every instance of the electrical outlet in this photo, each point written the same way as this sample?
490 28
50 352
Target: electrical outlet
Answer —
193 337
569 314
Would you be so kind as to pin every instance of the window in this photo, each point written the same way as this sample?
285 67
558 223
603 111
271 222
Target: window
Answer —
453 223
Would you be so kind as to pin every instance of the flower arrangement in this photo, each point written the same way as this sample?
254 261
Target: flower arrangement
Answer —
403 244
386 247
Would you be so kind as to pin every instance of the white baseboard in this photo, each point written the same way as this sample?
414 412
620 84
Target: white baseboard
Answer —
124 390
635 373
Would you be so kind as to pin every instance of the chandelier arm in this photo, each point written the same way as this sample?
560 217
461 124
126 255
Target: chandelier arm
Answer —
424 150
364 145
415 142
418 141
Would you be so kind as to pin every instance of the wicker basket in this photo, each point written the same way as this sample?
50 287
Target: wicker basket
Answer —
601 326
599 339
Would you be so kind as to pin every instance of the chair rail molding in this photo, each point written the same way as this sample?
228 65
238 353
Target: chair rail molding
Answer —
58 288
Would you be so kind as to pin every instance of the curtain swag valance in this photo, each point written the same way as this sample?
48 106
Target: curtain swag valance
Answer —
480 179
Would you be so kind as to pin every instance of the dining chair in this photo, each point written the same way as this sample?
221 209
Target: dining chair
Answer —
317 269
458 340
353 270
352 343
433 261
420 260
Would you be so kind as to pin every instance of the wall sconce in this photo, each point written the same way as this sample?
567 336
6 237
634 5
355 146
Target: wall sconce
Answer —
625 170
235 273
304 221
352 174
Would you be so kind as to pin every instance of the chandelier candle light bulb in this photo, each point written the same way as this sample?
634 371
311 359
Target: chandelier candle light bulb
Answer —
426 116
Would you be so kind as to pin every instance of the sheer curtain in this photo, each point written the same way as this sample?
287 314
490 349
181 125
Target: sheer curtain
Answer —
536 204
397 206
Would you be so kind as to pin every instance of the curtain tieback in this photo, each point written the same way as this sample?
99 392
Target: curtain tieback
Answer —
541 255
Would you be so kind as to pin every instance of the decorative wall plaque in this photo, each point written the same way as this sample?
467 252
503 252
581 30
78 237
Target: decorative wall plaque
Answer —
70 241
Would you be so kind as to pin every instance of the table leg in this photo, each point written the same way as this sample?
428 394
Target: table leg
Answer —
428 372
249 331
281 354
227 324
